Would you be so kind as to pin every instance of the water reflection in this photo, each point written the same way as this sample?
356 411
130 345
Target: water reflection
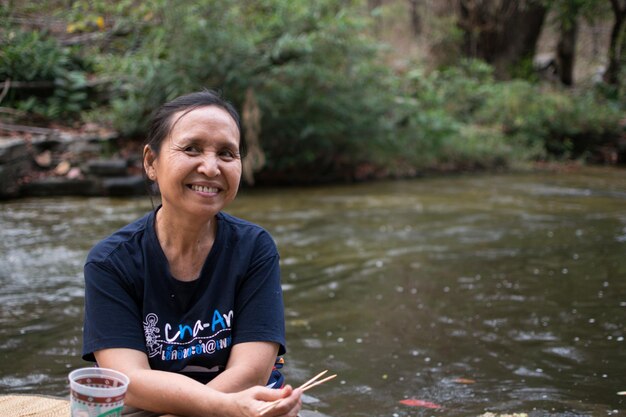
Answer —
494 293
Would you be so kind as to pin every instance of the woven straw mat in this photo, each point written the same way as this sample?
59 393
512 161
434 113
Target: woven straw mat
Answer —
33 406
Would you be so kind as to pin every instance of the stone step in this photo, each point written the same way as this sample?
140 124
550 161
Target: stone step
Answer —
60 186
107 167
125 186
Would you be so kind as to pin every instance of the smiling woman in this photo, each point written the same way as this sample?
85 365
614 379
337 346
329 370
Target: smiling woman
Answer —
187 300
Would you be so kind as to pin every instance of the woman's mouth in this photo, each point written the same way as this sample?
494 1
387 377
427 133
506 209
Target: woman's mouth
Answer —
204 189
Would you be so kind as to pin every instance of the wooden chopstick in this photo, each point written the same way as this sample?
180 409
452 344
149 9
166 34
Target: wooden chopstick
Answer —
318 382
273 404
312 380
307 385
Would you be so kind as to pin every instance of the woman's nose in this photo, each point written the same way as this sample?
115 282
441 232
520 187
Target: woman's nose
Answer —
209 165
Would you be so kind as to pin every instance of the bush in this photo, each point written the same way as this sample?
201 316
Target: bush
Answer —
556 123
463 89
324 105
481 147
316 75
416 135
32 56
462 116
49 79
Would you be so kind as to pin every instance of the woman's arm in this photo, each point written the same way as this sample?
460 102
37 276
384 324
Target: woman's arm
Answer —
249 364
167 392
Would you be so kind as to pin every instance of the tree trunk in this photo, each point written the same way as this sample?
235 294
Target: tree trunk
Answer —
611 75
416 22
566 51
501 32
251 118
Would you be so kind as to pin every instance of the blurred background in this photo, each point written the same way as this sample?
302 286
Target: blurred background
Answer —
444 179
329 90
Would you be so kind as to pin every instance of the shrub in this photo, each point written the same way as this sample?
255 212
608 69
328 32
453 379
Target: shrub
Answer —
554 122
417 134
481 147
323 107
315 72
32 56
49 79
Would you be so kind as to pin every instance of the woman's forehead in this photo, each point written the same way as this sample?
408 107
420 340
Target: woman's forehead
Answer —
203 117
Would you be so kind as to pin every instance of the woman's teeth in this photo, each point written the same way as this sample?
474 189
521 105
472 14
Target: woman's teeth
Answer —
203 189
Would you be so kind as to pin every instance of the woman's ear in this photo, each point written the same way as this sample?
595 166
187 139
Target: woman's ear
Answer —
149 157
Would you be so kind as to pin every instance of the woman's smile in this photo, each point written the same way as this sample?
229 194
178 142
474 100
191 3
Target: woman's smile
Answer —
204 189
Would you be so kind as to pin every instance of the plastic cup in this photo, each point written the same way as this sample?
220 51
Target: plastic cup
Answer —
97 392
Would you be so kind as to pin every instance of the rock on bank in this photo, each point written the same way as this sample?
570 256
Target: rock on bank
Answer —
55 163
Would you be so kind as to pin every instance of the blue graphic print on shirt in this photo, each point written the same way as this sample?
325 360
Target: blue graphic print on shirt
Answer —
201 338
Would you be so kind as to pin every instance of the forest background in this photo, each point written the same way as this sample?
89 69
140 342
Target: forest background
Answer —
334 90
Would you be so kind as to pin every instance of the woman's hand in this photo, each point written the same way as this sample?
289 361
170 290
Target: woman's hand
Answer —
252 400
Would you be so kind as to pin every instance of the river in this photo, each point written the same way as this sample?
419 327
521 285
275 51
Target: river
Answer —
485 293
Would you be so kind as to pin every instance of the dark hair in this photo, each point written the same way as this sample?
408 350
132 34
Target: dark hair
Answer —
161 123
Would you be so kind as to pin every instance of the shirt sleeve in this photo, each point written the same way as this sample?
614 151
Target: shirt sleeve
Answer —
259 305
112 313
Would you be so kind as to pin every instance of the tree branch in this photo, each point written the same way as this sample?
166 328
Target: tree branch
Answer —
5 89
27 129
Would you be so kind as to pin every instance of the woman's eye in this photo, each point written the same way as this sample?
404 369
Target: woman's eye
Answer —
228 154
192 150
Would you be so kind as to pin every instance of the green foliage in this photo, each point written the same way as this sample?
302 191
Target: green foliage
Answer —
439 130
30 56
325 94
55 73
446 39
460 89
68 99
417 134
315 72
329 102
184 49
554 122
481 147
461 115
524 69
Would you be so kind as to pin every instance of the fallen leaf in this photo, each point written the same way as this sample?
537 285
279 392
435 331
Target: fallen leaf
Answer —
63 168
44 159
464 381
73 173
419 403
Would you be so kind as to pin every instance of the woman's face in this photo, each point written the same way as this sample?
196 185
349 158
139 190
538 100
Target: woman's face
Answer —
198 168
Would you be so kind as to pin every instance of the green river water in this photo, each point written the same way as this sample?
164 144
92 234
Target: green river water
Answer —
489 293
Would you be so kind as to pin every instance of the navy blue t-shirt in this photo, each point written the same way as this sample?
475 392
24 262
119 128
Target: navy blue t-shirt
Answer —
133 301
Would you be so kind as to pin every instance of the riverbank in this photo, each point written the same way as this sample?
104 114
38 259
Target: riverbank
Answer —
96 161
86 162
